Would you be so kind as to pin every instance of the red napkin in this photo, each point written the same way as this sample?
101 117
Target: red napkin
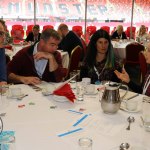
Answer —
66 91
8 47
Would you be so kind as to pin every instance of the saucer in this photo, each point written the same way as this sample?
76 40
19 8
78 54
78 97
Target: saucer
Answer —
130 111
46 93
94 93
60 98
15 96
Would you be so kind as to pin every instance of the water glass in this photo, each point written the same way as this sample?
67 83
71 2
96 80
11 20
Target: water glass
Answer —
80 90
146 115
74 80
85 144
3 99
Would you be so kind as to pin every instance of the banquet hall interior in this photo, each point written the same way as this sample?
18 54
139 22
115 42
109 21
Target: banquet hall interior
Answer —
40 120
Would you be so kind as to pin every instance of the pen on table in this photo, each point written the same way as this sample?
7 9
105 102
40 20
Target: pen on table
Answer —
133 96
70 132
80 120
74 111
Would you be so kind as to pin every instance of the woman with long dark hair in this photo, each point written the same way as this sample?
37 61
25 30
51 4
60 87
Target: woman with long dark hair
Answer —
100 62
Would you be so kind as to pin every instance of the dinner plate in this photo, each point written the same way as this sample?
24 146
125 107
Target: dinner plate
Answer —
60 98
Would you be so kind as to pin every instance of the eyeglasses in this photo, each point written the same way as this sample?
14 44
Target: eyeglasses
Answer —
2 33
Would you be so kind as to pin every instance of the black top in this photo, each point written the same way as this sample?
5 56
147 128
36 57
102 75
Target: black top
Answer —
105 74
116 36
69 42
30 37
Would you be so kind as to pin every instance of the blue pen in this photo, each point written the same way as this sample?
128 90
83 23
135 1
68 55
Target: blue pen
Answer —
80 120
74 111
69 132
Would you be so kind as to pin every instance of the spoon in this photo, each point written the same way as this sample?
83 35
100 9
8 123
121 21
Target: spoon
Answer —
130 120
124 146
21 97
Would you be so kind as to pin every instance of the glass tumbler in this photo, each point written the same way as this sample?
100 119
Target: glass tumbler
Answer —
85 144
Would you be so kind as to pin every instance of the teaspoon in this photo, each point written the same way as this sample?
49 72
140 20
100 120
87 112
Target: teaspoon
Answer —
124 146
130 120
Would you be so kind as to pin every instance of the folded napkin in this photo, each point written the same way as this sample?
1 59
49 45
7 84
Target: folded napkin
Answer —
66 91
8 47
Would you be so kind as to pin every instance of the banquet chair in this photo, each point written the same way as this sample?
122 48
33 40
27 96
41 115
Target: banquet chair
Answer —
132 53
77 30
48 27
133 32
91 30
17 34
106 28
17 26
143 65
74 61
29 29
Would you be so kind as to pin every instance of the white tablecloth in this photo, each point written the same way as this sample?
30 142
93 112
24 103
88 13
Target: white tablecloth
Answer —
37 126
120 48
16 48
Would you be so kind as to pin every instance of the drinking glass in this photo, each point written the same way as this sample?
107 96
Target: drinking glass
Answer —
74 80
3 99
146 115
85 144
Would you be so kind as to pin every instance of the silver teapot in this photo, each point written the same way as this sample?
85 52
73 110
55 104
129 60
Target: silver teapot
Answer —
111 99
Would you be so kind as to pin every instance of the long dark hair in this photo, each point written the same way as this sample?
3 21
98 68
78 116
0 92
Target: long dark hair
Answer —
92 50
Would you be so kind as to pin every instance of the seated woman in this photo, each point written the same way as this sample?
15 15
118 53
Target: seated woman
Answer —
100 62
143 88
142 34
118 34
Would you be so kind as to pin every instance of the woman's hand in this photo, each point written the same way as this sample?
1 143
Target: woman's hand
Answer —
123 76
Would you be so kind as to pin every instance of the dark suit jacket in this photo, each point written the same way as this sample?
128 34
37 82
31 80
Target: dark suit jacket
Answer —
115 35
69 42
30 37
3 74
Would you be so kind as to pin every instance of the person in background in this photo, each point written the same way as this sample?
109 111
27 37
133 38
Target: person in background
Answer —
40 61
142 34
144 88
3 74
69 39
100 62
34 36
118 34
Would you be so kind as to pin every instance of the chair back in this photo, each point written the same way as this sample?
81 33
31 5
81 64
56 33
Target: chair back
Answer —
17 26
29 29
143 65
132 53
17 34
133 32
48 27
91 30
75 59
77 30
106 28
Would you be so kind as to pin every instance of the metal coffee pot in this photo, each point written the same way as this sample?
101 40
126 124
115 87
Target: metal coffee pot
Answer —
111 99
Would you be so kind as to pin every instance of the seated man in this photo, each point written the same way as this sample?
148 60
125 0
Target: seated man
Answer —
3 74
34 35
118 34
38 62
69 39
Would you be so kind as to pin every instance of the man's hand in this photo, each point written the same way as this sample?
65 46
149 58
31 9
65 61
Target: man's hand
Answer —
42 55
30 80
123 76
45 55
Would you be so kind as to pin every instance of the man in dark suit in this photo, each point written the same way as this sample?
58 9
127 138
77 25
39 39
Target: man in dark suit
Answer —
69 39
34 35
